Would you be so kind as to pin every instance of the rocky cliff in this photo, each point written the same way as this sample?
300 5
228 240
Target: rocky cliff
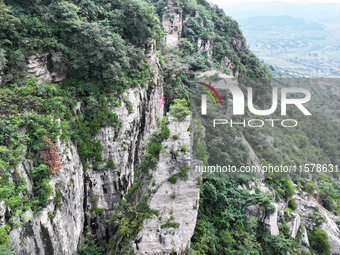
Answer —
308 214
85 198
58 228
79 194
176 201
172 23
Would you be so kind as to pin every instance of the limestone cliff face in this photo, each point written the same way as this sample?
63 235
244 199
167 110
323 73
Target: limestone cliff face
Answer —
205 47
309 205
86 198
1 74
58 227
172 23
177 203
105 189
46 67
309 213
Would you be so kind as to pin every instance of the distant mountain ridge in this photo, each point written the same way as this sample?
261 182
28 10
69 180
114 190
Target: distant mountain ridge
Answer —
265 23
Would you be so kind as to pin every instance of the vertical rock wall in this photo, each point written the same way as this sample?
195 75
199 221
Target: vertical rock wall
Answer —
87 198
123 145
58 227
46 67
172 23
177 203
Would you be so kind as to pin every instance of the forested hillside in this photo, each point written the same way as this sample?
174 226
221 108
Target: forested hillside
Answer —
91 162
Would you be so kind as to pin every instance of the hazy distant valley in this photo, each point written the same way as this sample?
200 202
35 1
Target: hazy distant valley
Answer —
293 47
300 40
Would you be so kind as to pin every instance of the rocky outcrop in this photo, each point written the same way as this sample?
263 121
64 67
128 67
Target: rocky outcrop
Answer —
294 223
252 160
122 145
1 74
172 23
46 67
240 45
311 211
205 47
139 111
226 62
304 240
177 203
87 198
58 227
332 231
268 220
309 214
2 213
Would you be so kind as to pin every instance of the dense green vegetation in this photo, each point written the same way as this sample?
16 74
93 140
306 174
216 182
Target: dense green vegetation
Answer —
90 246
314 140
103 44
223 227
98 42
179 109
102 53
35 108
319 241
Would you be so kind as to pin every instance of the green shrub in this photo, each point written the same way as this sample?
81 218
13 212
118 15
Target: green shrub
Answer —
288 188
175 137
128 105
89 246
4 250
329 195
319 221
98 211
170 224
184 173
110 164
161 59
318 240
292 204
155 148
173 179
310 187
312 216
338 222
284 229
165 132
4 235
184 149
51 215
57 198
42 190
179 109
227 238
323 177
186 46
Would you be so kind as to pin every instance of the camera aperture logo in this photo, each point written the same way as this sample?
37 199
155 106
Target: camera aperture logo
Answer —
302 96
